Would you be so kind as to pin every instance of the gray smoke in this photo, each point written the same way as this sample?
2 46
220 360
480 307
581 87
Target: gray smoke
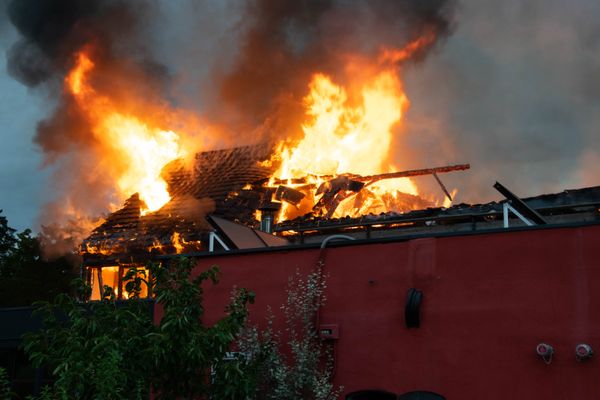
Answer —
282 43
516 92
245 66
51 33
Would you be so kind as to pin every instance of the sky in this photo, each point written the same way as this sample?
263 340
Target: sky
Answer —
22 180
514 90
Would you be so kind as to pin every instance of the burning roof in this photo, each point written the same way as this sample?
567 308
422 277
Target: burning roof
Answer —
238 183
207 187
569 206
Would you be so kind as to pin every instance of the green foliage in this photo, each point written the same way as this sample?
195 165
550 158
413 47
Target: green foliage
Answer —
185 350
93 351
296 365
108 350
25 276
7 238
5 392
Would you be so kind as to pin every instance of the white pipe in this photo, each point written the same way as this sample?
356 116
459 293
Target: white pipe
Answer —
335 237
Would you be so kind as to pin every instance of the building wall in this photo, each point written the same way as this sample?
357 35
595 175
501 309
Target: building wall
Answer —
488 300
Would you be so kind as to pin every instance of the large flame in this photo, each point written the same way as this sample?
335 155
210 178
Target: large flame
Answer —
344 137
348 131
341 138
353 136
136 150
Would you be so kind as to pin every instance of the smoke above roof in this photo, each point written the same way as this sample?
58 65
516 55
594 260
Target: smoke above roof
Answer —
507 86
242 66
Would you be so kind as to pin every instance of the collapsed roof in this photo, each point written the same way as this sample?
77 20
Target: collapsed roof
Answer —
232 184
569 206
210 186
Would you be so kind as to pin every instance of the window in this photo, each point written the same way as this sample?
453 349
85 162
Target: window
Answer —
113 276
105 276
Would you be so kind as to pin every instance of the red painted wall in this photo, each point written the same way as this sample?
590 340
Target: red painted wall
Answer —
488 300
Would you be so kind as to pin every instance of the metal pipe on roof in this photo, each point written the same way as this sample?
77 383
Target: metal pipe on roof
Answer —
335 237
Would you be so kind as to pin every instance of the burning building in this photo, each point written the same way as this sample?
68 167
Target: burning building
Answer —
326 153
235 189
441 301
295 149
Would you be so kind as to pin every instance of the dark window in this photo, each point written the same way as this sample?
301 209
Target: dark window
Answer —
421 396
371 395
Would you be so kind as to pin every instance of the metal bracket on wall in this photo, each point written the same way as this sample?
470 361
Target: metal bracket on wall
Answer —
506 207
212 236
525 213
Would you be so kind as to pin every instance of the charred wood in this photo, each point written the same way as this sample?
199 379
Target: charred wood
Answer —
287 194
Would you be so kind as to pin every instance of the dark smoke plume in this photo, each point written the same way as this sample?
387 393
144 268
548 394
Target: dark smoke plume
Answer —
52 32
282 43
260 72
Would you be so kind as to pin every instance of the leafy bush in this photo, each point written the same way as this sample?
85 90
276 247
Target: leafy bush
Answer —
108 350
295 365
5 392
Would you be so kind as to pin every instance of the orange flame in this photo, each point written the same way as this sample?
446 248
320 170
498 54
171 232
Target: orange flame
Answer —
341 138
348 130
178 242
394 56
352 135
139 149
345 138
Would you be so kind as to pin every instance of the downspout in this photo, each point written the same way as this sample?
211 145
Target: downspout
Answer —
320 269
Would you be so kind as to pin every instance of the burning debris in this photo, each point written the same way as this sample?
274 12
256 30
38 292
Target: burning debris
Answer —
116 124
319 81
238 185
340 188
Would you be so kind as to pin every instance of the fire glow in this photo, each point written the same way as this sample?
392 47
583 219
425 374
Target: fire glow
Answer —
348 131
136 150
354 139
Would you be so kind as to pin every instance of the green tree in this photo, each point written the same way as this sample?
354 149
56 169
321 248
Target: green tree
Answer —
188 355
94 351
106 350
5 392
7 244
25 275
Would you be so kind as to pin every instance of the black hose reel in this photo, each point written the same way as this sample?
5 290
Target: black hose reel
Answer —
412 307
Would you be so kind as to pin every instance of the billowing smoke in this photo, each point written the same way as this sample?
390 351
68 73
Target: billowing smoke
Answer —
515 91
244 66
282 43
52 32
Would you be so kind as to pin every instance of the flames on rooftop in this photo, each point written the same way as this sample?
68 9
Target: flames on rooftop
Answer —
340 167
299 133
347 131
303 124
